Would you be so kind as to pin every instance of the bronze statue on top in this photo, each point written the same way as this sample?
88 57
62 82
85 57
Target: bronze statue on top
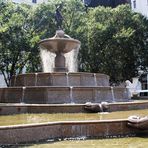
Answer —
58 16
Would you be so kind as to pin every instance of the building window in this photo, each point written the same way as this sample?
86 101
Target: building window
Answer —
134 4
34 1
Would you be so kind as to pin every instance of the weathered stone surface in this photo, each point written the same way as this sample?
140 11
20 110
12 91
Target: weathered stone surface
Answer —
137 122
60 79
73 129
62 94
6 109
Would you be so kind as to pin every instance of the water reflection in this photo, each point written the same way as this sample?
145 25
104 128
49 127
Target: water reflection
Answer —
39 118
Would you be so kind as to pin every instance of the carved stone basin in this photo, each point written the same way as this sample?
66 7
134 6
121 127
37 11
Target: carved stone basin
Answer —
62 45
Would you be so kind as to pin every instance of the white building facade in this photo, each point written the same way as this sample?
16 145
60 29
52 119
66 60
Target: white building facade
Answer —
2 81
30 2
140 6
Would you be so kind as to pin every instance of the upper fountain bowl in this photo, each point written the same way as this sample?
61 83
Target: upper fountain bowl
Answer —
63 45
59 43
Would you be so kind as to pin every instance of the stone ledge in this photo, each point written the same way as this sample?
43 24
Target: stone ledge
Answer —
6 109
64 129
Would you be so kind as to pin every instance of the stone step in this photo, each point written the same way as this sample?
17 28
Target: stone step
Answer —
60 79
58 95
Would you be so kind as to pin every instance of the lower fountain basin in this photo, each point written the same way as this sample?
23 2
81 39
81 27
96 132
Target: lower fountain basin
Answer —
19 119
66 129
9 108
59 95
30 127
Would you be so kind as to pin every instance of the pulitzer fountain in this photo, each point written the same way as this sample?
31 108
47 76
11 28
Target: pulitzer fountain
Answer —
62 91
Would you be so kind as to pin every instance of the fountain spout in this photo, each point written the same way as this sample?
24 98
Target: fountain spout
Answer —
99 107
137 122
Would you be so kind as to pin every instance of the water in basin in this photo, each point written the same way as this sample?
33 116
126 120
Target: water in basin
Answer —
39 118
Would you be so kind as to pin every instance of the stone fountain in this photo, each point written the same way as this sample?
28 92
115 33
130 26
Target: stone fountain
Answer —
61 86
64 92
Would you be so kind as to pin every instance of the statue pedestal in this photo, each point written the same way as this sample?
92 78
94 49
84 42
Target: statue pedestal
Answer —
60 63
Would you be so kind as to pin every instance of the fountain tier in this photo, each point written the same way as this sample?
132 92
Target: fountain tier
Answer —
56 45
66 129
59 45
60 79
62 88
63 94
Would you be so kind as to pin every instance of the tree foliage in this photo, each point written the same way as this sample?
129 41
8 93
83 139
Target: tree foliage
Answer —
14 41
113 41
117 42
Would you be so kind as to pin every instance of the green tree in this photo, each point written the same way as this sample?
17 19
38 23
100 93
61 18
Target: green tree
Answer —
13 39
40 25
113 41
117 42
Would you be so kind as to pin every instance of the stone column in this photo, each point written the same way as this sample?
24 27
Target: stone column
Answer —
60 63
